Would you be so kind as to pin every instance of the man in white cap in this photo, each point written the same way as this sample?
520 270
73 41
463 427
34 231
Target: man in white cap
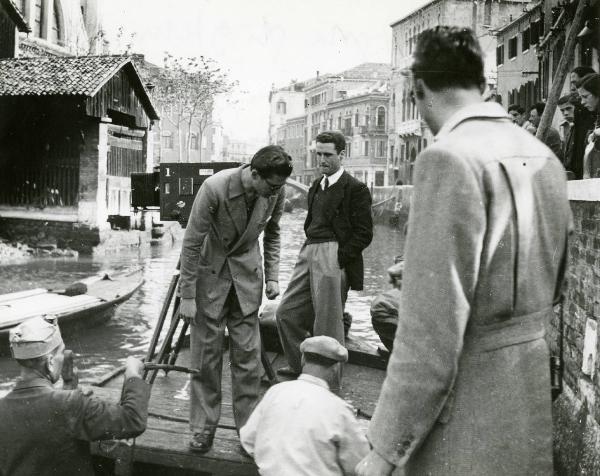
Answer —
300 427
44 430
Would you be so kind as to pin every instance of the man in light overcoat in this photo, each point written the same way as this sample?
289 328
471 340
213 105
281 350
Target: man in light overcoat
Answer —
467 390
222 282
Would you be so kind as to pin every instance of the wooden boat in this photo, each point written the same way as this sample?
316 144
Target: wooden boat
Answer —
86 303
164 447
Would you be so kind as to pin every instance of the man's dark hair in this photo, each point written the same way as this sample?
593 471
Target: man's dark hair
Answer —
539 107
516 107
332 137
582 71
272 160
590 83
568 99
448 57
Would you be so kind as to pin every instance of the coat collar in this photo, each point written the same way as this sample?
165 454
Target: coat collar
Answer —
314 380
480 110
235 188
34 382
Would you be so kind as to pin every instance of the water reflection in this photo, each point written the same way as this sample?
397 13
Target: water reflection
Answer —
129 331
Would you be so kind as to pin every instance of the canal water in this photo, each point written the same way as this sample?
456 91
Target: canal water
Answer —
103 348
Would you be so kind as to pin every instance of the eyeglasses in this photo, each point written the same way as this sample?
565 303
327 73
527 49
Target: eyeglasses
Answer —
272 186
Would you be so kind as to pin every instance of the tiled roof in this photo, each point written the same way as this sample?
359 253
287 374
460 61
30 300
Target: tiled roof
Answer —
57 75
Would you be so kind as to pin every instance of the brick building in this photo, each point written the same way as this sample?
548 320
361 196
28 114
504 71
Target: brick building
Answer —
408 133
362 117
284 103
292 137
62 27
72 130
328 89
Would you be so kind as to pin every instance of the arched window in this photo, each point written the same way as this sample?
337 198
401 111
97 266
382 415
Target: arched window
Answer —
367 116
281 107
37 16
56 30
356 118
194 141
381 116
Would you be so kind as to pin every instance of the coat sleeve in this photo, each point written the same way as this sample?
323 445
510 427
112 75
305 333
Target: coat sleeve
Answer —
361 222
205 205
248 431
352 444
94 419
447 223
272 240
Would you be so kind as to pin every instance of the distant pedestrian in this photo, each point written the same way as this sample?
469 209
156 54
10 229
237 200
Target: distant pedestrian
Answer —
552 137
338 228
567 105
300 427
467 390
45 430
518 114
588 89
583 122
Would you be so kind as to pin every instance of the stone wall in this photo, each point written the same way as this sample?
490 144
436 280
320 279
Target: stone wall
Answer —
577 410
65 234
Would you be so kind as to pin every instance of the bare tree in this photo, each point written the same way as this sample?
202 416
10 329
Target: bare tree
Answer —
185 91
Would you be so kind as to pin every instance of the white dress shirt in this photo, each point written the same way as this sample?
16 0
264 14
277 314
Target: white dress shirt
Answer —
301 428
333 178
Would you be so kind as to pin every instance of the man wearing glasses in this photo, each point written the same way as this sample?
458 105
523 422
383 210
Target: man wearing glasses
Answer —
467 390
222 282
338 228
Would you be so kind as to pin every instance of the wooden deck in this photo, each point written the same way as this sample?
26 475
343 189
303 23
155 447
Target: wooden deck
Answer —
163 448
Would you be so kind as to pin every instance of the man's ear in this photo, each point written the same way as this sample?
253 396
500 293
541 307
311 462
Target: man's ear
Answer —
342 154
419 88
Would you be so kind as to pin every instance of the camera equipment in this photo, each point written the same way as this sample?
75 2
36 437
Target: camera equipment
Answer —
173 187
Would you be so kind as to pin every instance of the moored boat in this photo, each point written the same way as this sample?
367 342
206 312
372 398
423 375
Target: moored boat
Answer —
88 302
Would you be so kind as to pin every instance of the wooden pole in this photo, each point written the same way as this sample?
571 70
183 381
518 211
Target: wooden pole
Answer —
561 71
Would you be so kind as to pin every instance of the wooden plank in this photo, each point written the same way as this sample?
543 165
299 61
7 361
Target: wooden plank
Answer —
22 294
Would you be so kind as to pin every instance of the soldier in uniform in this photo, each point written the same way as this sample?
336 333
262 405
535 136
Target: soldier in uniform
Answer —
301 427
46 431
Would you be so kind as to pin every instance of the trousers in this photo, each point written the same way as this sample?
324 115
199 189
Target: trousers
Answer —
207 339
313 303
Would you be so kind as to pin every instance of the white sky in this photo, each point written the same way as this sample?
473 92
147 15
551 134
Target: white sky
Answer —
261 42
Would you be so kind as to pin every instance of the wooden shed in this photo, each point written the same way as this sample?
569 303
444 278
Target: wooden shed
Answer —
72 130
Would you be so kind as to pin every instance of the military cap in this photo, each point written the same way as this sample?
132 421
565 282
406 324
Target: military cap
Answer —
326 347
34 338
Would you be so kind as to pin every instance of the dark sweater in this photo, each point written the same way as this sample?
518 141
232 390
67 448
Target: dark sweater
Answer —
320 229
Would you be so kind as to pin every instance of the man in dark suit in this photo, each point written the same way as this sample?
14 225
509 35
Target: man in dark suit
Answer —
338 228
46 430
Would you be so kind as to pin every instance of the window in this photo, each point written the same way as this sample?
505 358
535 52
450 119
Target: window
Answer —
525 39
349 149
356 118
381 116
381 148
167 140
512 47
366 147
55 32
379 178
487 12
37 18
500 55
194 141
281 107
348 126
339 122
537 31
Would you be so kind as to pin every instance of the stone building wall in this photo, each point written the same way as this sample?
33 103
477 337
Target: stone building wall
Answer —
577 410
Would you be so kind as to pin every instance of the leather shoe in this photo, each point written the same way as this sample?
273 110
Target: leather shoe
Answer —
202 442
287 371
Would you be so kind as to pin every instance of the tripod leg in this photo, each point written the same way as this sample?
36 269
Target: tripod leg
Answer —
163 314
179 344
163 350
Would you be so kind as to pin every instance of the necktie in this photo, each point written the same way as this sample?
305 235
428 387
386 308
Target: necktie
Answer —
326 184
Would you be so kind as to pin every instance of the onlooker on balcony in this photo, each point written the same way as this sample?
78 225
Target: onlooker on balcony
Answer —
552 138
583 121
518 114
567 105
589 92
